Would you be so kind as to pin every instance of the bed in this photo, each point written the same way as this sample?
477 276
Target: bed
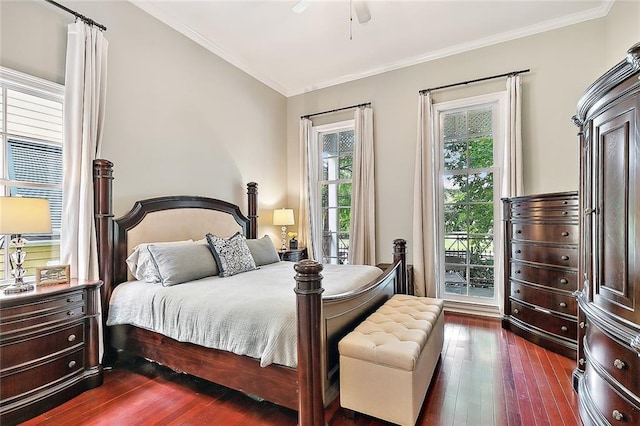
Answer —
307 384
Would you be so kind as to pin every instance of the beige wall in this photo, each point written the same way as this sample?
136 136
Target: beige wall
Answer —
563 63
622 30
179 119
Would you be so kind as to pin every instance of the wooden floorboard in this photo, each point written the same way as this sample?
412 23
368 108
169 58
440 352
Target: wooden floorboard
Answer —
486 376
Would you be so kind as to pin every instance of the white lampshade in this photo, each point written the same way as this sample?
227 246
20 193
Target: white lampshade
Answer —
283 217
22 215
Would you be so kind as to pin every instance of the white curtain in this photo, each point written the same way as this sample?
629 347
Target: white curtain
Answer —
425 262
84 108
511 171
362 237
307 216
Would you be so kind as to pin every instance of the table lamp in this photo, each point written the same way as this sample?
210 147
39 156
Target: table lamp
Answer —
22 215
283 217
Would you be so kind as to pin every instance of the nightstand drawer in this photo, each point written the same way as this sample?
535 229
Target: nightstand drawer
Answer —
41 312
29 379
22 351
294 255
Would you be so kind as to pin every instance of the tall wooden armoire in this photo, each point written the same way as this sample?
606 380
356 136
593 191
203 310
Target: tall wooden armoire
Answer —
607 376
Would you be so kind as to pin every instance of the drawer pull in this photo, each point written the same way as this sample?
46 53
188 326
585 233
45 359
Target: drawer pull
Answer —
564 257
515 311
564 328
71 338
517 290
563 305
565 213
617 415
518 251
72 364
70 313
581 361
582 324
565 202
565 234
519 231
69 300
563 281
518 271
620 365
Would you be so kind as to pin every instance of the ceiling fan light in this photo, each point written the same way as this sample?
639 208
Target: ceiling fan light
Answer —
362 11
300 6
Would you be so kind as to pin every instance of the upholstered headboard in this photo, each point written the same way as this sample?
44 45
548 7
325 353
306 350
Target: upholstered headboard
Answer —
174 218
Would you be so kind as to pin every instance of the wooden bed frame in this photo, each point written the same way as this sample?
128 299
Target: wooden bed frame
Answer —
322 322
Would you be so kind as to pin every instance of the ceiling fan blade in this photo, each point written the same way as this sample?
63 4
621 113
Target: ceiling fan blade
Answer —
362 11
300 6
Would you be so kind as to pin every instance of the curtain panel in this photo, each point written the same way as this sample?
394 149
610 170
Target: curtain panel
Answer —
308 190
362 237
425 230
84 110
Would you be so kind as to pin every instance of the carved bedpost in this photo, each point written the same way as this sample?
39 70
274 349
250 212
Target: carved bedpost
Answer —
252 206
309 308
400 254
103 214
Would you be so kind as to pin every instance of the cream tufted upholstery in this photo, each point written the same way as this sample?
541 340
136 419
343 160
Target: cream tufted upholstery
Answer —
386 363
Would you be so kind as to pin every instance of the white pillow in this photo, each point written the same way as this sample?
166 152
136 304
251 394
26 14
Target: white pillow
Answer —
141 265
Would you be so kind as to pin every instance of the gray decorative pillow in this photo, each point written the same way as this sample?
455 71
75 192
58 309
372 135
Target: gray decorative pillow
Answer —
232 254
179 264
263 251
141 265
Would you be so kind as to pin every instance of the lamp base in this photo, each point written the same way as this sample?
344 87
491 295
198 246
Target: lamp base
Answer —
18 288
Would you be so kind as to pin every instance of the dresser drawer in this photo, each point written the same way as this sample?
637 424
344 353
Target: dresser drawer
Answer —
561 203
548 255
542 232
562 303
22 350
620 362
543 320
24 380
613 406
556 278
43 313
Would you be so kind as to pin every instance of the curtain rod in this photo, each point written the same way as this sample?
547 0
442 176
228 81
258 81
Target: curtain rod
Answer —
336 110
474 81
88 21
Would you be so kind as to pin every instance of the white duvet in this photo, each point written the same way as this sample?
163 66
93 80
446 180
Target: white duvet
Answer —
252 314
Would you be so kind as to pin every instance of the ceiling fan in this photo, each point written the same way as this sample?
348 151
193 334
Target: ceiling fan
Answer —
359 6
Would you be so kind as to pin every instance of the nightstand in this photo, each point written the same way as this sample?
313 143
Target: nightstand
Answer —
48 347
294 255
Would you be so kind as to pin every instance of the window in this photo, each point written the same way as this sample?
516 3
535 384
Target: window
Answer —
335 143
31 158
469 135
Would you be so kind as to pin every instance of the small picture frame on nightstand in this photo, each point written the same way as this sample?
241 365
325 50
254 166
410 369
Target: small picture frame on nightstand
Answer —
49 275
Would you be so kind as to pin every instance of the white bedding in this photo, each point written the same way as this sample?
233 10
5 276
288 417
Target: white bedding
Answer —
253 313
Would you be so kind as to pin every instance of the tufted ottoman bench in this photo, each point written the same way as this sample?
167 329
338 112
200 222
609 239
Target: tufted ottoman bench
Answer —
386 363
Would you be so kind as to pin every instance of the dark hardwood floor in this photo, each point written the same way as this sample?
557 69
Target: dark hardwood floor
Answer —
486 376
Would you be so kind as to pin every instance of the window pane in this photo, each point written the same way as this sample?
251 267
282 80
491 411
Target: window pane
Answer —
455 219
346 165
329 145
346 142
329 195
34 162
455 155
330 168
481 251
481 280
455 279
480 187
454 126
481 153
454 188
479 122
480 218
344 195
34 117
344 219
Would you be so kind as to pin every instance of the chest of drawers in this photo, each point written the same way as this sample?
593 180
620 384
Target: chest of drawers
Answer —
541 261
48 348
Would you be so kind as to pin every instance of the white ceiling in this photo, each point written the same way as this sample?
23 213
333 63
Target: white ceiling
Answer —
295 53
